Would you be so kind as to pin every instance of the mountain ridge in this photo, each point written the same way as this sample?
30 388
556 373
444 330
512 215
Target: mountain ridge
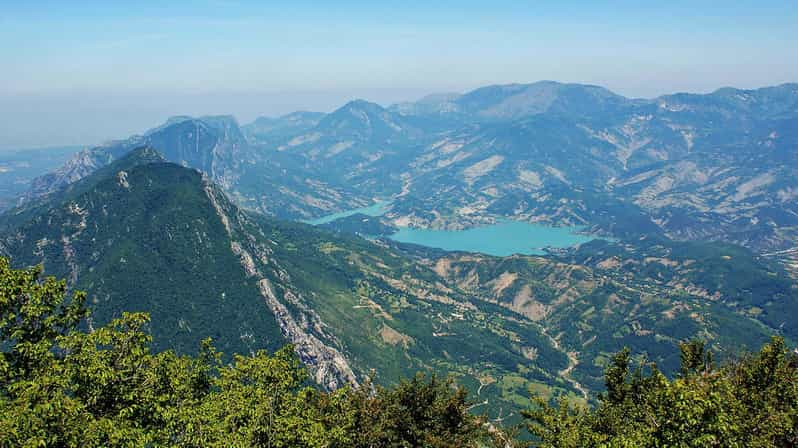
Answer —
716 166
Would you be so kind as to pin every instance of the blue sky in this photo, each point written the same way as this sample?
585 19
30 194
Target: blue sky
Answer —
80 73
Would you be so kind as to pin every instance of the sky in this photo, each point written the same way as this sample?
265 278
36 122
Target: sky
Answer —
84 72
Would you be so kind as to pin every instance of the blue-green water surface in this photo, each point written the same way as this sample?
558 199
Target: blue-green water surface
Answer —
506 237
376 209
500 239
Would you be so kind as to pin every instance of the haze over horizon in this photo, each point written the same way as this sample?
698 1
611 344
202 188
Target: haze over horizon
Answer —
82 74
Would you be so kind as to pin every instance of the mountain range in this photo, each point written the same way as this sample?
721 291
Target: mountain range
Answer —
195 222
719 166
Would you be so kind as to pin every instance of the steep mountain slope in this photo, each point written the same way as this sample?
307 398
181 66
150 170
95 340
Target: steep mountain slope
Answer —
143 235
542 169
730 176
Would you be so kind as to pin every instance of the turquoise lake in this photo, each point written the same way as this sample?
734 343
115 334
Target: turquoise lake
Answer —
500 239
377 209
504 238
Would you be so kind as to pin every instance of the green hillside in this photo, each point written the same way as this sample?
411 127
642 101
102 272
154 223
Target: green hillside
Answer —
144 235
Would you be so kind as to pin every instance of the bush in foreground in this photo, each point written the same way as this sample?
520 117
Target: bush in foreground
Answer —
750 402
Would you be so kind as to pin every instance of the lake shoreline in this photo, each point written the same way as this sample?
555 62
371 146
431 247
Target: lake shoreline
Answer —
502 238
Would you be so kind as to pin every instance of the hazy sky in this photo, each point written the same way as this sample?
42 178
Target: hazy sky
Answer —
82 73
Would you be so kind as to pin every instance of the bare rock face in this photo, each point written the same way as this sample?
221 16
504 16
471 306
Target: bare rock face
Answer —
207 144
327 365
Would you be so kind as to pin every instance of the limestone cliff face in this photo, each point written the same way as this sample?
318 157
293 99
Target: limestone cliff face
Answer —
210 144
302 327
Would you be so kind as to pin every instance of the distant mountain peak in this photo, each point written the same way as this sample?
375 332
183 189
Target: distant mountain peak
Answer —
226 121
514 101
363 119
269 129
360 105
211 144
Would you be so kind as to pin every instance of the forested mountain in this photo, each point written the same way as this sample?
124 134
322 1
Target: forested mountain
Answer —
145 235
147 239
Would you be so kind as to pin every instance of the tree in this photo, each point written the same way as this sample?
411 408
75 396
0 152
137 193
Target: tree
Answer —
750 402
424 411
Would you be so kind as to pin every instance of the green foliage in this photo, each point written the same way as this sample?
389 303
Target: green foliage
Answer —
32 316
750 402
418 412
62 387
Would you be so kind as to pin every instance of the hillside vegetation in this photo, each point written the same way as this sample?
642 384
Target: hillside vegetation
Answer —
61 386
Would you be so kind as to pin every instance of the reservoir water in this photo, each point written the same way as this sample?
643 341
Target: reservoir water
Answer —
377 209
503 238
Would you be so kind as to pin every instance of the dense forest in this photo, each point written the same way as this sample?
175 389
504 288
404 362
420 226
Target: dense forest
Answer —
64 383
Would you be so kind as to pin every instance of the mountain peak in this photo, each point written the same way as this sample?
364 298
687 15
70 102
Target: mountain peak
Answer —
511 101
515 100
141 155
362 119
360 105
